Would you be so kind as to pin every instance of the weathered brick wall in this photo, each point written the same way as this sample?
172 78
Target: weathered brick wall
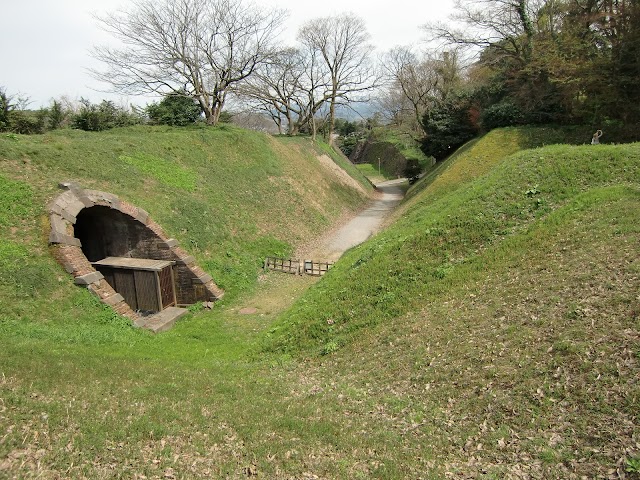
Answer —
117 228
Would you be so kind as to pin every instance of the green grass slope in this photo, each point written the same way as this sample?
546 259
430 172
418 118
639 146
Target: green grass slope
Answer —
96 396
229 196
476 158
405 142
491 332
447 232
494 327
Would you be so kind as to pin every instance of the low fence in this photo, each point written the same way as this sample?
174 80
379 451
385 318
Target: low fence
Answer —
297 267
282 265
316 268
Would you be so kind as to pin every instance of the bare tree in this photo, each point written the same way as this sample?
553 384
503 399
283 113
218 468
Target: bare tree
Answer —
292 90
416 78
393 106
276 89
503 25
199 48
341 45
315 85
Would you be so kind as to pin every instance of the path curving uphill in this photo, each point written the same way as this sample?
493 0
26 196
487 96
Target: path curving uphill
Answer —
362 226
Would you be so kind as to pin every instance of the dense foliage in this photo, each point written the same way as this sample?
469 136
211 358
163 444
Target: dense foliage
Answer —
449 124
526 62
97 117
174 109
15 118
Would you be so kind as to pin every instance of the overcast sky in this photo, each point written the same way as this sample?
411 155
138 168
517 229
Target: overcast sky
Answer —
45 44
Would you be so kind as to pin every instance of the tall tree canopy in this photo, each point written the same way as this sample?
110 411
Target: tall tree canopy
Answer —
339 47
198 48
553 60
330 66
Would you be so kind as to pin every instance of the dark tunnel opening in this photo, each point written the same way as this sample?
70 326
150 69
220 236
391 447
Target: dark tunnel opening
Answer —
105 232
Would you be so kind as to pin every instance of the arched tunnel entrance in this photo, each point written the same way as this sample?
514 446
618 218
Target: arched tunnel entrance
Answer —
126 253
104 232
120 254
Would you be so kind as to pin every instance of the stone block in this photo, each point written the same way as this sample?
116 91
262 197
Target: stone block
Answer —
58 224
113 299
89 278
64 239
103 198
72 219
58 210
216 292
202 279
167 244
75 207
86 201
142 216
68 186
188 260
163 321
66 199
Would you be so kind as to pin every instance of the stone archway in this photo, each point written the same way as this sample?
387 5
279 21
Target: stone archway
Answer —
88 225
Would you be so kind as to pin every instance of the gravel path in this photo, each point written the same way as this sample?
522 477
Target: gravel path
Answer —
362 226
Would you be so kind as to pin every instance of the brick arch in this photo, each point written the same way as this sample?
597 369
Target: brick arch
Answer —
149 241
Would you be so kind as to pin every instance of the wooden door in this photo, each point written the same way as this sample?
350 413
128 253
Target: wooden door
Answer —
167 288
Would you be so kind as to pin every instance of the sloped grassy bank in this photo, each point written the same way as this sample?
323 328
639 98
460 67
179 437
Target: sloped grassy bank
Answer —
440 241
85 395
480 155
504 345
528 368
229 196
492 331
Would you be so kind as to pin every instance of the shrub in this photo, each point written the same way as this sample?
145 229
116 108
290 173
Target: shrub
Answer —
348 144
14 116
504 114
174 109
413 168
449 125
57 115
27 122
106 115
4 110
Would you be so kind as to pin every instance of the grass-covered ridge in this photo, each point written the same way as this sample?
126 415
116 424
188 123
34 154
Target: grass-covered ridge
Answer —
476 158
447 235
229 196
493 329
406 143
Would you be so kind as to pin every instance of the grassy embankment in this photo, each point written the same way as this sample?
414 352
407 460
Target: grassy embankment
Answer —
491 332
388 147
495 327
231 197
405 142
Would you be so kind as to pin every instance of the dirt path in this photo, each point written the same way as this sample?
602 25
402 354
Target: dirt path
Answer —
277 292
362 226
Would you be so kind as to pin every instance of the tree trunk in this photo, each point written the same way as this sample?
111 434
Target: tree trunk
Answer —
332 116
313 128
